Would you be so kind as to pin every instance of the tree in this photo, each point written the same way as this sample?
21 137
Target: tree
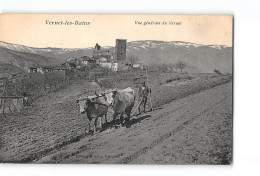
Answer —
163 67
133 59
180 65
172 67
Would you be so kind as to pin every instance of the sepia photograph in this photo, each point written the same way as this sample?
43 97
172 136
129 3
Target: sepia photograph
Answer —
116 89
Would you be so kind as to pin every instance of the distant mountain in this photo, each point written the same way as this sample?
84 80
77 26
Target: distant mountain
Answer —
199 58
59 53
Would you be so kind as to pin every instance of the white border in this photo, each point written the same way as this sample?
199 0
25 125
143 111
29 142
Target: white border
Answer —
246 83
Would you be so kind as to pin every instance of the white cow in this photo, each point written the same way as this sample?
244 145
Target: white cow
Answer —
122 102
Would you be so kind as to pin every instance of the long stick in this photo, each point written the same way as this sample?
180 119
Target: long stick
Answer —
3 102
3 93
137 107
150 97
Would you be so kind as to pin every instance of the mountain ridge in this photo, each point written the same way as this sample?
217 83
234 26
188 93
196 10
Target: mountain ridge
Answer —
6 44
205 58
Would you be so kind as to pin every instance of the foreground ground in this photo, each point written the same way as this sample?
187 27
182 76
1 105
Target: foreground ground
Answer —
189 125
196 129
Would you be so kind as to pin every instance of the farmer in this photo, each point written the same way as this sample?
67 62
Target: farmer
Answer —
144 90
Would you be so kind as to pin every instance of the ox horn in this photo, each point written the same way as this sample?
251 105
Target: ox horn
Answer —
96 93
115 89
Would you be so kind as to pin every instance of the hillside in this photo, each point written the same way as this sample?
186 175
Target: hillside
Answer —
15 61
199 58
8 69
53 127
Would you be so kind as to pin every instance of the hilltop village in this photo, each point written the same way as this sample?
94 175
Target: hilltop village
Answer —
114 59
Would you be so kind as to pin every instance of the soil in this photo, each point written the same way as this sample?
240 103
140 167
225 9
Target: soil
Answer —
194 130
191 124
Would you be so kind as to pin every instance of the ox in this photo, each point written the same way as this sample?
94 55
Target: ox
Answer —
143 95
94 107
122 102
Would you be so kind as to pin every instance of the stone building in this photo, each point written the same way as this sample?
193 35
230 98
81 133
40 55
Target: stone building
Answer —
120 50
138 65
120 54
101 52
85 60
112 58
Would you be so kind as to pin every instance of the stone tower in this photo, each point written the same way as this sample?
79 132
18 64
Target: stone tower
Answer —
120 50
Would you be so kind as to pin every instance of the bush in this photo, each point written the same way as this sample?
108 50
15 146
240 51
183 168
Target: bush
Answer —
178 77
106 83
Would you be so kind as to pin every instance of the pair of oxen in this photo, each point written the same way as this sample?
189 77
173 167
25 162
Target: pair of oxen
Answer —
120 101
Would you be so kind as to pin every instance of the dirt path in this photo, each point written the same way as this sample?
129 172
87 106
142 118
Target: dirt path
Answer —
159 136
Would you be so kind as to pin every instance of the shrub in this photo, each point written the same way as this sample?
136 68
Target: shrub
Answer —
184 76
106 83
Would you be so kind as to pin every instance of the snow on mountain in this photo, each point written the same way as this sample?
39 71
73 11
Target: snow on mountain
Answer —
47 52
16 47
204 57
215 46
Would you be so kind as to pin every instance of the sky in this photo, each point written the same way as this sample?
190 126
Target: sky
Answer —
38 30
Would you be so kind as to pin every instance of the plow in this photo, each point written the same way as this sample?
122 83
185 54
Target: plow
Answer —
149 95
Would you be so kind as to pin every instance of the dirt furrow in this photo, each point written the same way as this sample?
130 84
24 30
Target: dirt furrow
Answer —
162 138
126 144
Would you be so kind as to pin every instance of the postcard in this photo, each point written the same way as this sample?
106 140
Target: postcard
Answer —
116 89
